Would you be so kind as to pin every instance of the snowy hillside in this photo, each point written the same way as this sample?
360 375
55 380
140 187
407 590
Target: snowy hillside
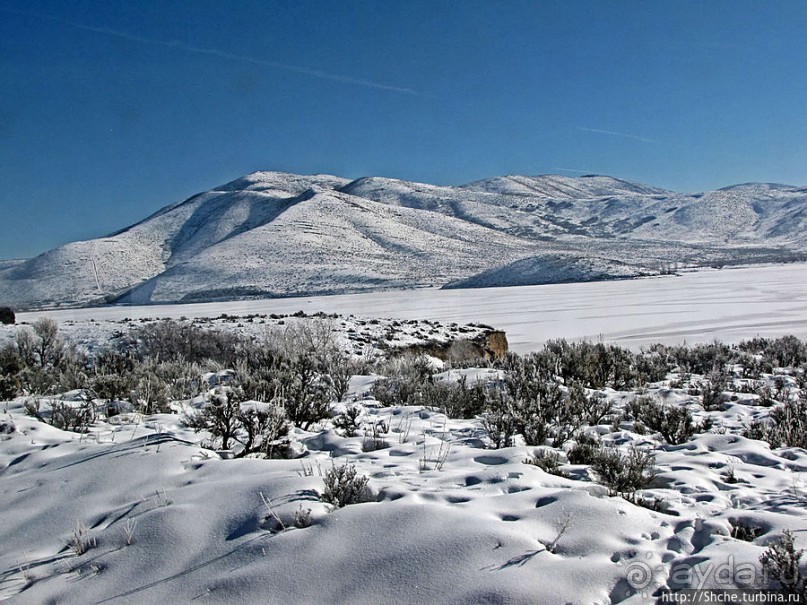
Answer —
278 234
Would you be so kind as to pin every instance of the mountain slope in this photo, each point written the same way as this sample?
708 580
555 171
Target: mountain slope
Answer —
279 234
329 242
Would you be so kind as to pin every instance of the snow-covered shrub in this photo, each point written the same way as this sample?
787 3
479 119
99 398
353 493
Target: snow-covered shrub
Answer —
585 449
170 340
548 461
374 437
624 474
674 422
781 565
499 424
595 408
785 426
713 390
456 400
594 365
406 376
784 352
66 415
744 530
219 416
344 487
7 315
258 427
348 421
303 391
265 427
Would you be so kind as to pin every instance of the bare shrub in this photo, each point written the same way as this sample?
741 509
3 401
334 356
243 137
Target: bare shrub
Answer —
182 379
149 392
49 346
9 387
374 437
82 539
47 363
594 365
265 427
787 351
128 530
302 517
596 408
340 370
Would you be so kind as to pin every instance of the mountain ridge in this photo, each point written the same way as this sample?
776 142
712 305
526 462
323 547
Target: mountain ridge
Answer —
272 233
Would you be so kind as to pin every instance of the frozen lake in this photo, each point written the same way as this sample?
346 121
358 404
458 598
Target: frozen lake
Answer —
728 305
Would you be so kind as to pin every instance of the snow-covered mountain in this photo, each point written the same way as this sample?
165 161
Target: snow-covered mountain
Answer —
279 234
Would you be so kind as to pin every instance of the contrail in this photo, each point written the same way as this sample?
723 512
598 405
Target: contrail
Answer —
616 134
307 71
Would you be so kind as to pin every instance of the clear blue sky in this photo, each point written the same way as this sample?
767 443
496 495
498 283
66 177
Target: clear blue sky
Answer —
110 110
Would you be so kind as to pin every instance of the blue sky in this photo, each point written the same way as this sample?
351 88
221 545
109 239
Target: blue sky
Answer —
111 110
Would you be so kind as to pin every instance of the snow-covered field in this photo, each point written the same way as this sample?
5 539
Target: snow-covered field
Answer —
728 305
450 520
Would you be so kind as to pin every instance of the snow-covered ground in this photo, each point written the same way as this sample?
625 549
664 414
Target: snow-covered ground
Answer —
449 521
728 304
